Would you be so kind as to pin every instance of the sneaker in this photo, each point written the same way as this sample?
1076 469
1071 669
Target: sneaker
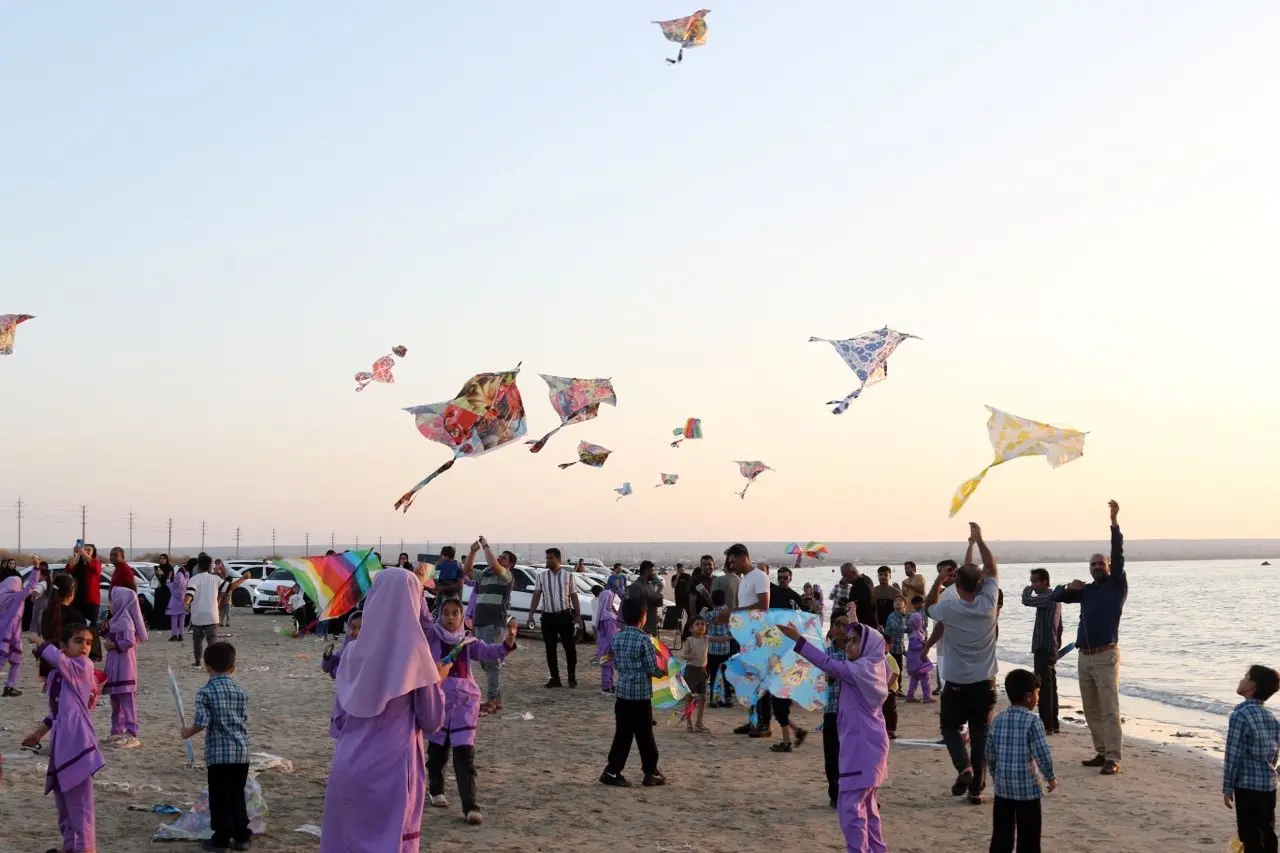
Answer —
743 729
1096 761
801 734
608 693
553 682
129 742
473 817
573 682
654 780
781 746
975 799
617 780
759 733
961 785
1111 768
437 801
12 691
112 740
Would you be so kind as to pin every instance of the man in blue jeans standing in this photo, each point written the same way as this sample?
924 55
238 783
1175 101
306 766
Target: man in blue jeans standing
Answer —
969 612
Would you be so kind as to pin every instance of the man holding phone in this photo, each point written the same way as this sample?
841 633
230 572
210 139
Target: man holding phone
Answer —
490 610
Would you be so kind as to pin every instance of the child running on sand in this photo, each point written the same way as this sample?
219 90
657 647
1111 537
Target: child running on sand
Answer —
120 636
222 714
13 597
462 707
694 654
73 745
1249 767
637 663
864 744
1015 745
918 664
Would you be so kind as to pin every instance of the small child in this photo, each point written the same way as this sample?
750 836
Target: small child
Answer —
918 664
177 609
222 714
1249 767
462 707
606 630
718 648
830 725
637 663
330 660
895 631
13 597
694 654
121 635
864 744
1015 744
890 707
73 746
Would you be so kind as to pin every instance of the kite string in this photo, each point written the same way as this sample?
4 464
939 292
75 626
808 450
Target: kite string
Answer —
406 500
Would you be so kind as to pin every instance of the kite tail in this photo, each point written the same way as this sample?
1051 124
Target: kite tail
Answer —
743 494
842 406
363 379
676 443
542 442
406 500
564 465
967 488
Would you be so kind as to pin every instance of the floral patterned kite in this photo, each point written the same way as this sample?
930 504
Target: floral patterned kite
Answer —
575 401
1013 437
867 356
591 455
9 329
750 470
381 370
689 31
487 414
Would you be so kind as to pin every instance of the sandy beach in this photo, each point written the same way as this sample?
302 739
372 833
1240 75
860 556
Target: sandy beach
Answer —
537 778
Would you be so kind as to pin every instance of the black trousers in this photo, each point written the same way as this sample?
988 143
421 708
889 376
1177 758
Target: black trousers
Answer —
227 813
714 662
560 626
781 710
464 768
1020 817
633 720
890 711
1046 667
90 614
764 712
831 755
1256 820
729 692
971 704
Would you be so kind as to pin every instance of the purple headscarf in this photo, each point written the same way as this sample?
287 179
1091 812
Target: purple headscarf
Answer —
125 611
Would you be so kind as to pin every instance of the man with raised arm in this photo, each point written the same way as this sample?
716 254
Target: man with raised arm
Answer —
1098 645
968 613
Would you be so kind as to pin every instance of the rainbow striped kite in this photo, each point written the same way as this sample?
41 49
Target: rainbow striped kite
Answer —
692 429
669 690
814 550
336 584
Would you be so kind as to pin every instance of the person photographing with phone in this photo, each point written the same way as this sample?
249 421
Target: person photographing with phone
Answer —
489 611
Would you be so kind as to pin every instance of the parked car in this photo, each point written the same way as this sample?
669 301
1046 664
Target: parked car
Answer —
266 593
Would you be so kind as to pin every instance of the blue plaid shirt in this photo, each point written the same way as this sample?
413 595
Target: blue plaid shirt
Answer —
895 628
1253 747
1015 744
221 710
636 662
833 684
717 635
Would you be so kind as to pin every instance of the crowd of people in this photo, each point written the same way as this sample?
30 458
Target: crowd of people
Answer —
407 701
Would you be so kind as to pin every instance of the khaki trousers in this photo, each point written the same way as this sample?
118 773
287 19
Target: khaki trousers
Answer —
1100 692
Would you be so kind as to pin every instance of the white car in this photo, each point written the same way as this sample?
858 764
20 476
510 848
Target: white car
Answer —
525 580
266 593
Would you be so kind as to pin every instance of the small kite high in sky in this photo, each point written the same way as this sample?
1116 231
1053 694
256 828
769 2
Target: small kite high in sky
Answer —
487 414
591 455
692 429
9 329
813 550
750 470
623 491
575 401
668 480
1013 437
689 31
381 370
867 356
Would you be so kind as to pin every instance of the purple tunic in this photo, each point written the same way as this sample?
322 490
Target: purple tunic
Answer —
917 664
177 594
864 686
125 629
73 743
378 778
461 693
330 667
12 597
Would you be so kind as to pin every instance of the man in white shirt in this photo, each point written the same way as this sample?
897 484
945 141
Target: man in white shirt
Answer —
753 594
561 617
202 603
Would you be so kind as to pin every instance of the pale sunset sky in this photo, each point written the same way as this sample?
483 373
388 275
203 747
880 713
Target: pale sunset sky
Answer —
219 213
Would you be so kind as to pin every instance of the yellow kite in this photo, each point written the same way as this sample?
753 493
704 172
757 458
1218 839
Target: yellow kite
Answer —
1013 437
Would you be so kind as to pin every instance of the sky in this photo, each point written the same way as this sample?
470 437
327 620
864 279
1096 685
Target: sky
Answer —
218 215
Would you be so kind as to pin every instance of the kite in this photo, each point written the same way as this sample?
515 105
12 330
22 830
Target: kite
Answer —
868 356
692 429
400 351
9 328
182 717
623 491
750 470
1013 437
768 661
689 31
381 370
814 551
668 690
487 414
591 455
575 401
335 584
668 480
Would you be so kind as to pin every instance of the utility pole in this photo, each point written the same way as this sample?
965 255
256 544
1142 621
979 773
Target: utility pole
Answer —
130 534
401 546
306 547
83 515
331 548
273 542
237 543
379 545
19 524
170 547
203 528
357 543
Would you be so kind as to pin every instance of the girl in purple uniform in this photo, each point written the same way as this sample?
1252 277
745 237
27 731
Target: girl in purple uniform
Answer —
121 635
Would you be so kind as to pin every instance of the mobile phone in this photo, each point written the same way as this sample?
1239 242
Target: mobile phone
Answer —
79 544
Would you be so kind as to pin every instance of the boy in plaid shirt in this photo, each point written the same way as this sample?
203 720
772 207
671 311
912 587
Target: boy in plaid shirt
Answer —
636 661
1017 743
718 647
830 725
221 714
1249 767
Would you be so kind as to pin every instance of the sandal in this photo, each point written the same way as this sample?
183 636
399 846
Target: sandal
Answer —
781 746
702 730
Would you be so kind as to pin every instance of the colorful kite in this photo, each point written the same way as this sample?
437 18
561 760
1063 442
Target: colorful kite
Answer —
867 356
182 716
623 491
380 372
591 455
768 661
575 401
400 351
668 690
9 329
750 470
487 414
1013 437
689 31
668 480
336 583
692 429
814 551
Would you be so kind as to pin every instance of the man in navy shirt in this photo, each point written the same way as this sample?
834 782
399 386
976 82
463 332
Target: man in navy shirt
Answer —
448 576
1098 645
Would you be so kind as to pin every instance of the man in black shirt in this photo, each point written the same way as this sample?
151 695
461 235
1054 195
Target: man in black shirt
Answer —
782 595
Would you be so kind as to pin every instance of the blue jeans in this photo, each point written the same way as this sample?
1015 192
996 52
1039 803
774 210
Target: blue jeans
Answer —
492 668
